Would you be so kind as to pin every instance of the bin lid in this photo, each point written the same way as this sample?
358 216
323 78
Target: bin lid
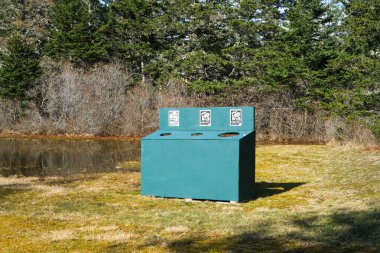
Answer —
197 135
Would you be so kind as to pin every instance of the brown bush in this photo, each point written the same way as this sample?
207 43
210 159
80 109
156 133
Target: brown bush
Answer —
103 101
10 112
90 102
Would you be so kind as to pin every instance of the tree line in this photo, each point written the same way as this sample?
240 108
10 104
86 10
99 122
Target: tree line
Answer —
322 54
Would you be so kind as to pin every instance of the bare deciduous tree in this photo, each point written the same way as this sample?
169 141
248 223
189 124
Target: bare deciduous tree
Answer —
103 101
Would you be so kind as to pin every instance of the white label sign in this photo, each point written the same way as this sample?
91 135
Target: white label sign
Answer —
205 118
173 118
236 117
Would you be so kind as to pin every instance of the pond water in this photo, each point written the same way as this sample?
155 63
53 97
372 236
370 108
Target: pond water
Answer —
47 157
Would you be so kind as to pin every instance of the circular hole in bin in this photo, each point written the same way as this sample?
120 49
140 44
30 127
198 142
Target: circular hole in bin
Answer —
196 134
229 134
165 134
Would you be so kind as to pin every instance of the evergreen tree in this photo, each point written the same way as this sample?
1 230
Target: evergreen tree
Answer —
8 15
253 54
362 25
192 35
356 72
310 40
73 36
129 33
30 18
19 70
354 75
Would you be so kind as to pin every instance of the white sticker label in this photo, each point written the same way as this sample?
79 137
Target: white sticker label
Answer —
173 118
205 118
236 117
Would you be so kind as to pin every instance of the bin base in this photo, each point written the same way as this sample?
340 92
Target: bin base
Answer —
201 200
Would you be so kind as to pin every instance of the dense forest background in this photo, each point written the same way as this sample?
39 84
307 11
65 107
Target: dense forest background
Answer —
312 68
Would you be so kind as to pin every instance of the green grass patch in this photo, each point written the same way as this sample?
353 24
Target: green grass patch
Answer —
309 198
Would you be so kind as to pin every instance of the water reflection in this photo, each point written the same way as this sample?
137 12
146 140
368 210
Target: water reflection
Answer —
46 157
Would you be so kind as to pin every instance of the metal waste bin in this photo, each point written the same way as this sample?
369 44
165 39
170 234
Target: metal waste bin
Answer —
201 153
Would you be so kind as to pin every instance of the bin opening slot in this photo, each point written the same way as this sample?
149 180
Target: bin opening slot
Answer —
165 134
196 134
228 134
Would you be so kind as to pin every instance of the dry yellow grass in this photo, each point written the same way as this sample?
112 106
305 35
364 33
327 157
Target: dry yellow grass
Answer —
177 229
59 235
309 199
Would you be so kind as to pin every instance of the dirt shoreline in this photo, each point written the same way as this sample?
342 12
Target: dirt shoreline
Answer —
139 137
69 137
121 137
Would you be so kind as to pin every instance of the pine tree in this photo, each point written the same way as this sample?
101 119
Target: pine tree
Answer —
130 32
363 27
255 60
192 35
30 18
73 36
354 75
8 15
310 40
19 70
356 72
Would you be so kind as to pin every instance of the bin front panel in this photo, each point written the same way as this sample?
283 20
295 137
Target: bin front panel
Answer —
197 169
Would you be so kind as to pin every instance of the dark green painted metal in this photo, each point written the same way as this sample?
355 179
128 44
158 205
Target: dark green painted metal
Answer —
175 163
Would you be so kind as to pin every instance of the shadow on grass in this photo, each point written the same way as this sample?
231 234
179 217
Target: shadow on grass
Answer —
264 189
6 190
352 231
64 181
16 187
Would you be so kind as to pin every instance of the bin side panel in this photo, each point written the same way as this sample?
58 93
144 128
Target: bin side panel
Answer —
197 169
247 167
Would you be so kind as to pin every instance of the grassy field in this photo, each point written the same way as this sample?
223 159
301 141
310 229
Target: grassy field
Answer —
309 199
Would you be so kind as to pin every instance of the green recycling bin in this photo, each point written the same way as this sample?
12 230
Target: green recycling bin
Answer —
201 153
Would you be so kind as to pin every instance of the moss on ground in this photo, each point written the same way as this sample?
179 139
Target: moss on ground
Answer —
310 198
